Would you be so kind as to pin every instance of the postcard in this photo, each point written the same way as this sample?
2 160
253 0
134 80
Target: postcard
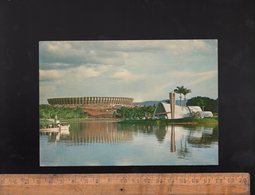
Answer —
128 102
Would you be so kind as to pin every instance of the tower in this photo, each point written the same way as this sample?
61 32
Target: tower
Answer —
172 104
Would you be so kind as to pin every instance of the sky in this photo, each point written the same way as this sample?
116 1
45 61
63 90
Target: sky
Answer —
143 69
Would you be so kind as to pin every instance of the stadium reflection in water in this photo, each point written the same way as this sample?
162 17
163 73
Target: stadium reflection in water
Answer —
108 143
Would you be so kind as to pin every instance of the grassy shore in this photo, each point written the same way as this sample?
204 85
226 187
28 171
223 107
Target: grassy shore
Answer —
91 120
187 121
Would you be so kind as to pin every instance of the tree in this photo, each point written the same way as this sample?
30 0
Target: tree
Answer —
47 112
179 90
136 112
205 103
185 92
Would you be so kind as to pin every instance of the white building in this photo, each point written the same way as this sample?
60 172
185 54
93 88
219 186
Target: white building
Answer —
163 110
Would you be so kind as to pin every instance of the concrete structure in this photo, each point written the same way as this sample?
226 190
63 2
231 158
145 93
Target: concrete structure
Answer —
90 100
172 104
173 111
163 110
99 107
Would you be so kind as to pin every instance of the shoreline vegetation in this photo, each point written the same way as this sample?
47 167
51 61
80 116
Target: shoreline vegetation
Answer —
62 113
135 115
183 121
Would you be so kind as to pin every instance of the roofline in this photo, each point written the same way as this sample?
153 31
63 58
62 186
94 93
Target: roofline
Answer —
88 97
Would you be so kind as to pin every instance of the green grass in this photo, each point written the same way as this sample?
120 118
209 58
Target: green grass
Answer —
193 120
175 121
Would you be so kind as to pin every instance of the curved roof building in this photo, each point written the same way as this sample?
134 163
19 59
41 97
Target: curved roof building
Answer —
90 100
163 110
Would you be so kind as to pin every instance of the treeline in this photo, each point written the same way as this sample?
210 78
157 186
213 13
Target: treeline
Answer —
48 112
144 112
206 103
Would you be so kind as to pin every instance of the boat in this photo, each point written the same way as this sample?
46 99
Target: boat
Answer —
54 126
60 128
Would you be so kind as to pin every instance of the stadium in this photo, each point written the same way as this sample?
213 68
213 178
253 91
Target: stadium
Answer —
90 100
93 106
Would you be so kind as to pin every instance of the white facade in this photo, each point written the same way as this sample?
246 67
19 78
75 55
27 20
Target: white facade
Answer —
163 111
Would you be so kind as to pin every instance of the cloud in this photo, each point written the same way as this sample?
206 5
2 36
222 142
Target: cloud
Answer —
81 72
128 77
193 76
62 55
86 72
46 75
186 78
202 77
47 90
67 54
145 70
123 74
156 45
172 46
157 88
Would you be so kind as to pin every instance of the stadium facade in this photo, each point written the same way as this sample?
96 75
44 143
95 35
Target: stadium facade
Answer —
90 100
94 106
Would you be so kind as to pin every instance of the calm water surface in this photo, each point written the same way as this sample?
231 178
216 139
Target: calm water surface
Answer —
106 143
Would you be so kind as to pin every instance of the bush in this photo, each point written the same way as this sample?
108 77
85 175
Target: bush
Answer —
47 112
136 112
207 104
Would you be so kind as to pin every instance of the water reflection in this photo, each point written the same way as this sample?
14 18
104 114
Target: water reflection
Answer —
113 132
133 143
183 152
202 136
55 136
91 133
173 143
160 132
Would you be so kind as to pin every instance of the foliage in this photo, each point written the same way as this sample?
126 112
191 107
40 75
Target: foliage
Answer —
136 112
179 90
49 112
194 120
182 121
206 103
182 91
185 92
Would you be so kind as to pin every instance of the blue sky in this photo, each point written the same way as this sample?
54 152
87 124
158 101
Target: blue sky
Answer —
144 70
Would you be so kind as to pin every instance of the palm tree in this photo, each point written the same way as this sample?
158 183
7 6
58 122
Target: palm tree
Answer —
185 92
179 90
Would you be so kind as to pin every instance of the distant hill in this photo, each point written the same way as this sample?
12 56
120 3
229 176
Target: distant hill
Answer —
147 103
153 102
176 101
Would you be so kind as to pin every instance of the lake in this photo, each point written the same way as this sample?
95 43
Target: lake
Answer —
108 143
